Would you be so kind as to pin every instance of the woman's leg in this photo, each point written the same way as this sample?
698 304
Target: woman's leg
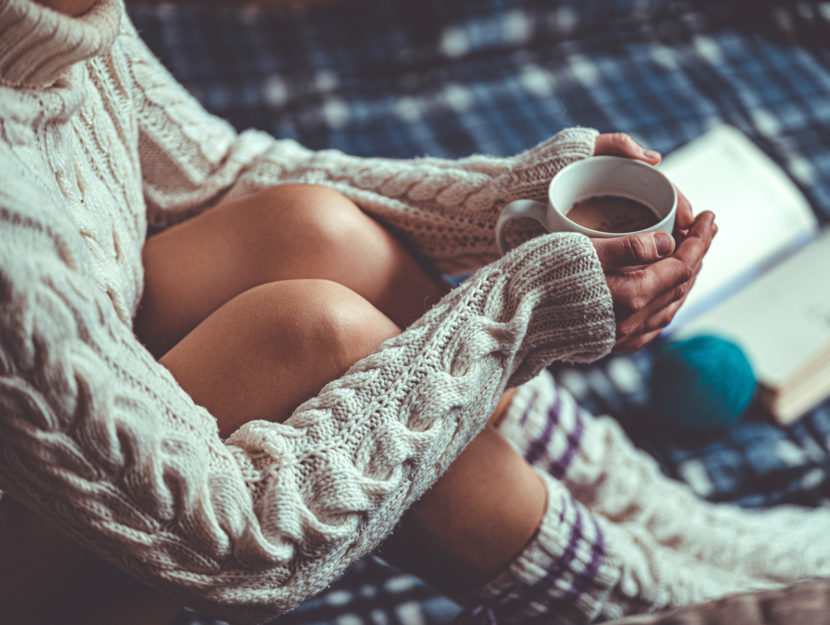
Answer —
229 363
288 232
295 231
481 512
489 516
597 462
489 513
275 346
446 537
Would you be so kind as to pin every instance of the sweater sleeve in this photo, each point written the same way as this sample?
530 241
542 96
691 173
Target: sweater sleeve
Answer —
99 436
444 209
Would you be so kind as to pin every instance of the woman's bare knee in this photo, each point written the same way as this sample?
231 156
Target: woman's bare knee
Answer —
287 232
274 346
313 223
330 326
325 233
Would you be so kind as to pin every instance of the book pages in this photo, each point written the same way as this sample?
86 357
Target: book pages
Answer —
761 214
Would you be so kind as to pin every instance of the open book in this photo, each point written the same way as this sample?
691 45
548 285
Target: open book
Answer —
763 281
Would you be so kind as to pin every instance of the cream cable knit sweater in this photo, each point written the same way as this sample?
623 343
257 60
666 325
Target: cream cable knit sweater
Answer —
97 140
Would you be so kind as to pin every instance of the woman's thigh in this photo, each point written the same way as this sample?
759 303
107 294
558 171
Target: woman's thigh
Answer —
291 231
272 347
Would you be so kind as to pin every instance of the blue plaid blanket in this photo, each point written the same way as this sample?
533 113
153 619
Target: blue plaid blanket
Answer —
401 79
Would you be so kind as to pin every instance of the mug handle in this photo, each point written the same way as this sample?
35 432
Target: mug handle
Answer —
520 208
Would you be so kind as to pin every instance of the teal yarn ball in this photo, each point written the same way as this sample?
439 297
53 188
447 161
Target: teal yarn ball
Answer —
701 383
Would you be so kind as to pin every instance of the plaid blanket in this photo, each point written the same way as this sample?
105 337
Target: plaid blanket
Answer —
401 79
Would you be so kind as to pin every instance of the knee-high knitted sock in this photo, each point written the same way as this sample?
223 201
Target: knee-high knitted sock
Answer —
581 568
601 468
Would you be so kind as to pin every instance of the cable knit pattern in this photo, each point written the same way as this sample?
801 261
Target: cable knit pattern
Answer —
99 436
25 64
444 209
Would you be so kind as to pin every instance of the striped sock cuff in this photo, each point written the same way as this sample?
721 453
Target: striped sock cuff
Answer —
564 574
546 425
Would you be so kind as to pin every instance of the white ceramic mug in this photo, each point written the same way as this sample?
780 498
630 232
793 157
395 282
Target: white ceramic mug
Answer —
596 175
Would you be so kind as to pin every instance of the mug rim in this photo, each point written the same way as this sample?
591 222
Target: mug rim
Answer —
630 162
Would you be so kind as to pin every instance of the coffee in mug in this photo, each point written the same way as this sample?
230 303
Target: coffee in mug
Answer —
601 197
612 213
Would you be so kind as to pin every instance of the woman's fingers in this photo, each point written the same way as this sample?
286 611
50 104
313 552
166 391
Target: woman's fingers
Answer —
620 144
650 330
685 217
646 300
686 260
683 264
662 318
634 250
649 316
633 343
697 241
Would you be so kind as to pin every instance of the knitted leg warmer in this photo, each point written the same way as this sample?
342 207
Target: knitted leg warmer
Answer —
600 467
580 568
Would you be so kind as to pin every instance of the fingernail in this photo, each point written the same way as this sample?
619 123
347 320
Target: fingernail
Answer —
664 243
650 154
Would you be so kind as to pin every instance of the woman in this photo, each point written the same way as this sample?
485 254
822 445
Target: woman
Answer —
314 377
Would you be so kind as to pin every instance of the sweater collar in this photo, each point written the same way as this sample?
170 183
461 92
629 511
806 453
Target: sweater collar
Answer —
38 44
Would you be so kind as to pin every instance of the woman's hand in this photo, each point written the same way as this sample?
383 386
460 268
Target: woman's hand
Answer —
620 144
649 277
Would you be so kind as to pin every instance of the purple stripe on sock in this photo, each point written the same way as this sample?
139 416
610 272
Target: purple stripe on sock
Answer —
513 599
559 467
519 597
539 590
585 581
538 445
